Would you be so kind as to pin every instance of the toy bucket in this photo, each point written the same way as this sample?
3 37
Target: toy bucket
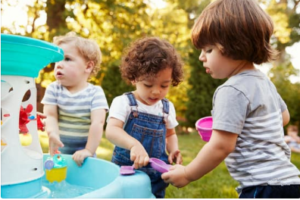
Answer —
58 174
204 127
56 168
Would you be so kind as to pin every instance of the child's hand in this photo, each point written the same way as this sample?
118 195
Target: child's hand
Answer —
175 157
176 176
139 156
54 143
80 155
42 115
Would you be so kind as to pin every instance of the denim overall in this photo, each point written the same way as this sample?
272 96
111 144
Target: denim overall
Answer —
150 130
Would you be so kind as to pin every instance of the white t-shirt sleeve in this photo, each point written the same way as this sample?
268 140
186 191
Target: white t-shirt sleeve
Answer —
119 108
172 122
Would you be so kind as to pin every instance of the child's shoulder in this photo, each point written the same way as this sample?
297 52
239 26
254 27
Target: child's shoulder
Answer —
245 76
245 80
94 88
54 86
121 98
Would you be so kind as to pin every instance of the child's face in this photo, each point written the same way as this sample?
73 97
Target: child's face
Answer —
151 90
219 66
72 70
292 133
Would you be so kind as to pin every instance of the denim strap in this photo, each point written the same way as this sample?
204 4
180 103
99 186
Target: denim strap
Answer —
132 101
165 103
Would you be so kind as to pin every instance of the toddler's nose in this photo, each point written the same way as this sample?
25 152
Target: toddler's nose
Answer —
58 64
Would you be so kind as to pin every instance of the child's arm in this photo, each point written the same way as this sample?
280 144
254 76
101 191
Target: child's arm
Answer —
116 134
52 128
221 144
94 138
172 147
285 117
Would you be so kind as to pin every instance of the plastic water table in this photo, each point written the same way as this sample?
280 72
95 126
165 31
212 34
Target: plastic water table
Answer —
22 166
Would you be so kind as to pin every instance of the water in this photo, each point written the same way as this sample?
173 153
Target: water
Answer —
65 190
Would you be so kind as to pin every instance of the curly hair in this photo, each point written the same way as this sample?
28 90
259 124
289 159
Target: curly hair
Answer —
88 48
148 56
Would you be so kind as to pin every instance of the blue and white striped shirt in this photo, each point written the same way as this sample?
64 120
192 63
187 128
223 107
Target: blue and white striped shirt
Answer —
74 110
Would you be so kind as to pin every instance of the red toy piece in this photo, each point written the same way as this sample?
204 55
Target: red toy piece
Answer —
23 119
40 124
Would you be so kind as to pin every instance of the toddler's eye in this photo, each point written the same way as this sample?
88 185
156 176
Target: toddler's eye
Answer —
209 51
67 59
165 86
148 86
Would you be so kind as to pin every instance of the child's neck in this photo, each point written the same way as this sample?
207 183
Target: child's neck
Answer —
76 88
243 66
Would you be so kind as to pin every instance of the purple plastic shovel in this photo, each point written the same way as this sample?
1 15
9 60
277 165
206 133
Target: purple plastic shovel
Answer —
127 170
155 163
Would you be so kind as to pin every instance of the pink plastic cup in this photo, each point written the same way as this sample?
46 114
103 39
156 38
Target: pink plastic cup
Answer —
204 127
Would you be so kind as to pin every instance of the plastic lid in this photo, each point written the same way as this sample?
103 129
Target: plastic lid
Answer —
57 161
24 56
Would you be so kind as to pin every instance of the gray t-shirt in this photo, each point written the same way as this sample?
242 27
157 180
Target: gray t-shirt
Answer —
248 104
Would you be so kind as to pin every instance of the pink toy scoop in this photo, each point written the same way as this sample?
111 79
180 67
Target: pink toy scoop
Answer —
159 165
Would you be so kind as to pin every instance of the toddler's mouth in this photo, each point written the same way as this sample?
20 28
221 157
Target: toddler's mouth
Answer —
59 74
207 70
153 99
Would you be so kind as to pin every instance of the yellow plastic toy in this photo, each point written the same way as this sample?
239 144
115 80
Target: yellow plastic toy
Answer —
56 168
3 143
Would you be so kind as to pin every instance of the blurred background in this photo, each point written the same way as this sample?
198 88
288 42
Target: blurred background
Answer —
114 24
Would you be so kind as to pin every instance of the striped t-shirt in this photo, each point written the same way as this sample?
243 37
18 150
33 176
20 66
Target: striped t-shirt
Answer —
248 104
74 110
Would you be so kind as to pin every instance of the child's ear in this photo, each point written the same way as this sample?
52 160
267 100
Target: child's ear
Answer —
133 82
90 66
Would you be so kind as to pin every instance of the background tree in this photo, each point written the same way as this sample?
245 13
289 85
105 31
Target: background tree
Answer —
286 17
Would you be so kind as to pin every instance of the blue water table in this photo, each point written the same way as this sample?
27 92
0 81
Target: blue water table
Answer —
22 166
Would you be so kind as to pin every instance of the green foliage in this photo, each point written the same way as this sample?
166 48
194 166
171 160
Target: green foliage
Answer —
113 85
289 92
286 20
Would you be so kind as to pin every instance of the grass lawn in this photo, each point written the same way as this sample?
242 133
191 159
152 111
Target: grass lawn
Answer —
216 184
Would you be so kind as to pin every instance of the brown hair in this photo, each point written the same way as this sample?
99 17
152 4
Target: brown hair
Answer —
241 27
148 56
88 48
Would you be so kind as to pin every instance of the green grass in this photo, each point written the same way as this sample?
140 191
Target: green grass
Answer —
216 184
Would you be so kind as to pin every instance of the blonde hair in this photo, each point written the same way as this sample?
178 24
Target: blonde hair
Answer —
88 48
